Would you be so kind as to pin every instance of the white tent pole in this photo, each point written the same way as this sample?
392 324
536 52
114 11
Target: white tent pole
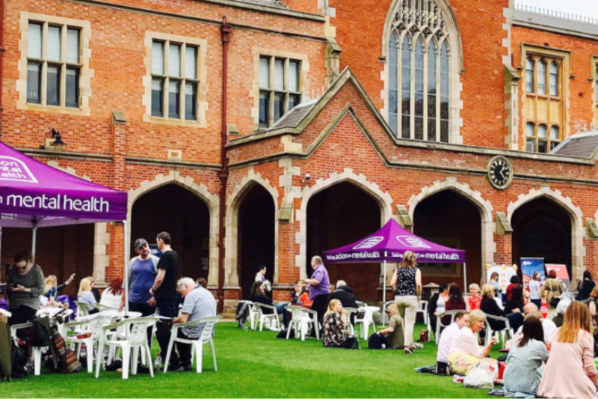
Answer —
384 285
464 277
126 269
34 241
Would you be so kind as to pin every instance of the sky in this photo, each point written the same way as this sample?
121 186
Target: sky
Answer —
587 8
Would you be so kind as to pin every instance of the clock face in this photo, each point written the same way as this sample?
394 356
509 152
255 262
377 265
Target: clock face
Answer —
500 172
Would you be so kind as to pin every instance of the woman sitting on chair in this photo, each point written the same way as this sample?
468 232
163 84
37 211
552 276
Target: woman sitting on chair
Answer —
85 296
258 294
335 327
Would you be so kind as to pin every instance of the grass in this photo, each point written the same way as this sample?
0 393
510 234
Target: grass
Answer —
254 364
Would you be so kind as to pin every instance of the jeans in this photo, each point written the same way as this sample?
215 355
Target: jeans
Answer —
281 308
167 308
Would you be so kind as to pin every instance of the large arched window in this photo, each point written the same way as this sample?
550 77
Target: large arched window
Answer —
419 72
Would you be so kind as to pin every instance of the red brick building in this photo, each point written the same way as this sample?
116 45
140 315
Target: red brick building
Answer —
335 116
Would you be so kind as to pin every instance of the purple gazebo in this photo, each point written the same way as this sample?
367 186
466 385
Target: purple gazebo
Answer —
389 244
33 194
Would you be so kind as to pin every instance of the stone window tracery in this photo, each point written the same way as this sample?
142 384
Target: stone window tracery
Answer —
419 72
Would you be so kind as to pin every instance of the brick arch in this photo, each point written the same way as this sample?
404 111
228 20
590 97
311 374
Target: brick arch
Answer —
200 191
575 215
383 199
475 197
233 204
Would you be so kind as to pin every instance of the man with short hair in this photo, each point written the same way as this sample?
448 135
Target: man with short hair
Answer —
164 291
448 334
143 269
199 303
261 274
320 287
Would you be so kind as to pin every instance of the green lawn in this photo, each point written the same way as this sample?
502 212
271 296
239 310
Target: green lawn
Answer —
254 364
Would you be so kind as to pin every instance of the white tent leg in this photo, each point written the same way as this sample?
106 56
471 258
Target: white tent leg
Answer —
33 241
465 277
126 283
384 286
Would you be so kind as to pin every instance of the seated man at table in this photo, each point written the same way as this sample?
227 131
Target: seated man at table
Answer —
198 303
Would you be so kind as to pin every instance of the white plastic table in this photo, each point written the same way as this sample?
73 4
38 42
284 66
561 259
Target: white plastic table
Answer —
367 320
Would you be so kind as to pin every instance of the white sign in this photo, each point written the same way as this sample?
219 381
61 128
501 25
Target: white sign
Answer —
412 242
369 243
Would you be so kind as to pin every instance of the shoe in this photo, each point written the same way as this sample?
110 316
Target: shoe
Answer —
176 367
274 329
243 327
408 350
188 367
417 346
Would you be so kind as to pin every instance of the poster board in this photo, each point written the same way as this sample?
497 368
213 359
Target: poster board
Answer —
505 272
529 266
561 273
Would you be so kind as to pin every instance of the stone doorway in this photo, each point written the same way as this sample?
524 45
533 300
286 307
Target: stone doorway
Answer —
337 216
448 218
256 243
185 216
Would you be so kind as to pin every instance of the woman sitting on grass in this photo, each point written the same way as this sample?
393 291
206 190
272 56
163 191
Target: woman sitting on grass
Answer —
570 371
525 360
465 353
335 327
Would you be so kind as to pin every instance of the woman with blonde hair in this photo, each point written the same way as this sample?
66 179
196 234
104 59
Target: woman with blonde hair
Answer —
52 289
407 284
85 295
335 327
570 371
465 353
475 300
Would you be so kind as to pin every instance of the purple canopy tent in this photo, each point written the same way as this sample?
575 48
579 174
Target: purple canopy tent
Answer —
389 244
33 194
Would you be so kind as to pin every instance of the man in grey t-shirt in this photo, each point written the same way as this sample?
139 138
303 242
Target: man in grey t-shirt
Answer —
199 303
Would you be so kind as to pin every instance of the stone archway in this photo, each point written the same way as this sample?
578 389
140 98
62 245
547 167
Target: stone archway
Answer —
233 205
198 190
574 214
488 246
382 199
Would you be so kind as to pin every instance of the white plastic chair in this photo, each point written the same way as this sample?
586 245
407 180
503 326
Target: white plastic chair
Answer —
270 318
134 342
507 331
367 320
253 313
86 330
440 325
350 312
301 320
207 337
423 309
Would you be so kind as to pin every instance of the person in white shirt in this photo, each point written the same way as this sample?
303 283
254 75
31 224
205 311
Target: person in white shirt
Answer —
547 325
261 274
448 334
112 296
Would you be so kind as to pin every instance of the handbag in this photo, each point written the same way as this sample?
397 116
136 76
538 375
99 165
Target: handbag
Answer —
424 336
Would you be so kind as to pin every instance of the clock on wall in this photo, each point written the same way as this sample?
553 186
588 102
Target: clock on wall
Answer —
500 172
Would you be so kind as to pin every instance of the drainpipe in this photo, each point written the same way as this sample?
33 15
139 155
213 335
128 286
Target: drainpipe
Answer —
225 35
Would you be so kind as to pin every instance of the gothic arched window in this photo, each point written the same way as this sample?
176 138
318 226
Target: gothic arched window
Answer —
418 96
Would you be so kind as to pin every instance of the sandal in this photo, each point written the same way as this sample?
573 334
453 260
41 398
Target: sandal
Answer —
408 350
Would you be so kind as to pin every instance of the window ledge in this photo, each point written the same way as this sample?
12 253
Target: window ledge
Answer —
175 122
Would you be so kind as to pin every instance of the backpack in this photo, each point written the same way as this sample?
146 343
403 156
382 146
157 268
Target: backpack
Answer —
378 341
64 357
18 361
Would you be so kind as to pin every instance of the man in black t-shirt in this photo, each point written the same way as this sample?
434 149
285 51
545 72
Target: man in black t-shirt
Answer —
165 295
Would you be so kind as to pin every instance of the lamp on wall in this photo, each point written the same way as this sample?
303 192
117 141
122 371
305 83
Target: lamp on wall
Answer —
58 143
